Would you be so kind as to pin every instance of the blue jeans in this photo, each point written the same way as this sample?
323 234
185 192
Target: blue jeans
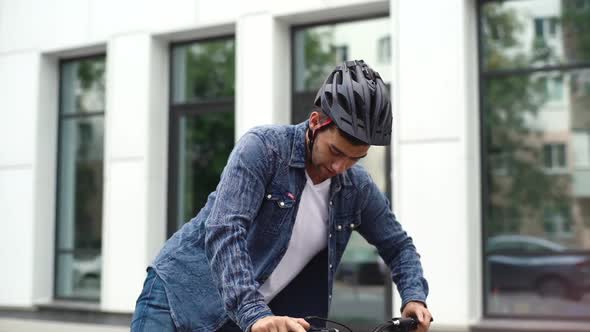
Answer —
152 312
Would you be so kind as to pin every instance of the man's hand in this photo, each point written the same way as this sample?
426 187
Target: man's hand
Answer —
280 324
419 311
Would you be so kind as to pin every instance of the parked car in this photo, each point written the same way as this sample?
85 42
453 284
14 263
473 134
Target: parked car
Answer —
87 272
362 266
527 263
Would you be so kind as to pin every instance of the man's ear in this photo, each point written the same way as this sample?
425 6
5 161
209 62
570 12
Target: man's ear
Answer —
314 120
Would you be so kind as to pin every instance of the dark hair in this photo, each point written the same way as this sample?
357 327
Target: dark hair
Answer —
323 117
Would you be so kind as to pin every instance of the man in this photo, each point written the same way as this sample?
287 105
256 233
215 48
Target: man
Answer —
263 251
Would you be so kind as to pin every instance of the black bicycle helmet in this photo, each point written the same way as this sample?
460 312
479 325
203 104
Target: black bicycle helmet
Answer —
356 99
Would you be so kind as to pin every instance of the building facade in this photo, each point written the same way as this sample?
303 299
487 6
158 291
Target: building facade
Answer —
117 117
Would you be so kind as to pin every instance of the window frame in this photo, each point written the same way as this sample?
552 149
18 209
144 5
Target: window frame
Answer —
58 199
485 169
388 287
175 112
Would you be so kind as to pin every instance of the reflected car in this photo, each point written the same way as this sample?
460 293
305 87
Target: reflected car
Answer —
362 267
87 271
527 263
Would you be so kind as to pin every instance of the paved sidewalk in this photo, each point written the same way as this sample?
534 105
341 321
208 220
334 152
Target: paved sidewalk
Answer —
21 325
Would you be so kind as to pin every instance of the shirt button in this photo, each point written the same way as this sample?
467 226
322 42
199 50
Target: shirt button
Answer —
330 235
269 196
330 266
282 204
339 227
351 225
330 202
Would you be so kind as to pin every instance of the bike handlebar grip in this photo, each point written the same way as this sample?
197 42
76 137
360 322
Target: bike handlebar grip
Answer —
407 324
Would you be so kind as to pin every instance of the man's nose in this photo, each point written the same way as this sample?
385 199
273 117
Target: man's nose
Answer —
339 166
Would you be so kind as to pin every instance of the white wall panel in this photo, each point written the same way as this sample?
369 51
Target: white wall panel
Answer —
123 235
127 95
18 97
431 69
16 237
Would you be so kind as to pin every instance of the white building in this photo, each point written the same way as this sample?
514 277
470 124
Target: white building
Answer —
67 247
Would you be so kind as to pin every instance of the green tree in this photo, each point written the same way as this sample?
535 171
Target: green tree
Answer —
519 187
319 55
89 156
210 70
209 136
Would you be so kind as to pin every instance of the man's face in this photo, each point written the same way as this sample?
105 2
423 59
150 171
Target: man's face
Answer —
333 154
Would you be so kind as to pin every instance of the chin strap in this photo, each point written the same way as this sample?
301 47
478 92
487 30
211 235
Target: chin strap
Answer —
312 134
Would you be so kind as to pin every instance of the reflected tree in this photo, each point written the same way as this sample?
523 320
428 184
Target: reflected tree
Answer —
211 70
89 156
320 56
576 29
209 140
520 189
576 34
209 136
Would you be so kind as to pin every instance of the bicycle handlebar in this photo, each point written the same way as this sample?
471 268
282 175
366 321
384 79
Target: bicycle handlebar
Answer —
394 325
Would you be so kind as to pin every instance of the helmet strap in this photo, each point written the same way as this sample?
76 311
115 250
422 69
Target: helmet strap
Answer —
311 134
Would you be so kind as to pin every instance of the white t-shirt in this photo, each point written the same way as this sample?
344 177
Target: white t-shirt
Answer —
309 237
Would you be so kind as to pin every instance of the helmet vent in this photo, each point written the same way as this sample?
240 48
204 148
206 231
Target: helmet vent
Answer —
359 105
383 114
353 75
329 98
343 102
338 76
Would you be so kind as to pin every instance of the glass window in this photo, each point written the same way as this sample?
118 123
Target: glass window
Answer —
203 71
536 118
362 290
384 50
555 88
80 179
581 145
341 53
538 27
201 123
554 156
533 33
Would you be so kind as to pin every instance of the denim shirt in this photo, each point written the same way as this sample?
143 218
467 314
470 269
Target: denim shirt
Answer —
213 266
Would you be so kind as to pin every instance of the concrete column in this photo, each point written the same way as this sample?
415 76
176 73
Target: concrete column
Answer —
436 151
134 221
263 72
19 82
45 174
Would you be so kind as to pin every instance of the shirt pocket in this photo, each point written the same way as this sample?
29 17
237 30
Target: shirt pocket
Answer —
344 224
277 207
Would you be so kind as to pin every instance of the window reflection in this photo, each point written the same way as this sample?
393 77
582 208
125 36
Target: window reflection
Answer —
535 33
203 71
362 286
536 120
538 196
80 179
201 122
206 142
